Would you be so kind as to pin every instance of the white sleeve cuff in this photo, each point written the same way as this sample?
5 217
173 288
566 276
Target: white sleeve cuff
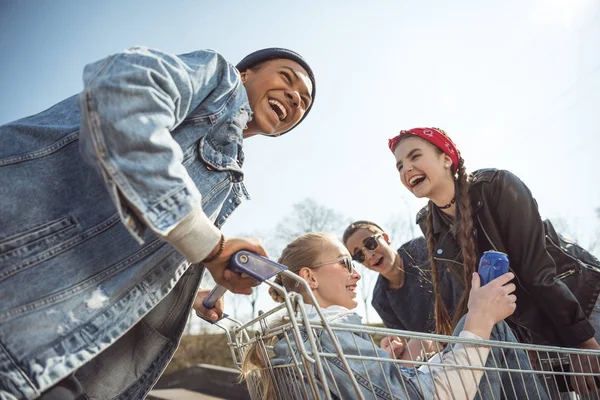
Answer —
195 236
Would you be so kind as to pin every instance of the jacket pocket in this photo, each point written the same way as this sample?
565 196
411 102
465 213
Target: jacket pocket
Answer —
19 248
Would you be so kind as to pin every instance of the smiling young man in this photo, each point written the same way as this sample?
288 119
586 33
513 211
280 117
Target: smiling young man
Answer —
112 203
403 293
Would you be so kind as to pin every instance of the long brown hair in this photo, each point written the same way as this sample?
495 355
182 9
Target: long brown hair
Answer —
444 324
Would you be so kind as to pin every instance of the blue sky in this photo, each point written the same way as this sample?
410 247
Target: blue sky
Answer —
516 84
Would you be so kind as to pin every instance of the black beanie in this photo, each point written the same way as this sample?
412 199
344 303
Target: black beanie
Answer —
272 53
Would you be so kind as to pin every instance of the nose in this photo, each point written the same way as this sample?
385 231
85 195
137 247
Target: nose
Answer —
356 274
369 253
294 98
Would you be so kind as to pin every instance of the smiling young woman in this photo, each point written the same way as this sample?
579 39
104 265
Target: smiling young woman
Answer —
493 210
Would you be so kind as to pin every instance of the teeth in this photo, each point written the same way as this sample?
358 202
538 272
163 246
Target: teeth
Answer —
281 108
414 179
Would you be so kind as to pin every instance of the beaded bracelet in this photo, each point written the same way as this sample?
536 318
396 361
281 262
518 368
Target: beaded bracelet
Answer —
218 253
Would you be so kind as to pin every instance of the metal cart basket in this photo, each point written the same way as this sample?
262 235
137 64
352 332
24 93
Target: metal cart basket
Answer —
316 371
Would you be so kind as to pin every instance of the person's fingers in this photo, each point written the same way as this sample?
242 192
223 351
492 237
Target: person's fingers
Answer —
512 298
590 383
244 291
503 279
237 281
253 245
509 288
581 384
581 387
208 314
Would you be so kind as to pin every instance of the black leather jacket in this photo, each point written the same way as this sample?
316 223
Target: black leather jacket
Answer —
557 281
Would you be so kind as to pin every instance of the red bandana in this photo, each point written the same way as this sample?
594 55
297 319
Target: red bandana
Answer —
436 137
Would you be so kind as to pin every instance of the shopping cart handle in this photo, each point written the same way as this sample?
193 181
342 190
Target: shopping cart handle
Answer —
251 264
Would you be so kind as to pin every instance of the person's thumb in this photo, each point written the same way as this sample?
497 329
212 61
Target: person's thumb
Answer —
475 281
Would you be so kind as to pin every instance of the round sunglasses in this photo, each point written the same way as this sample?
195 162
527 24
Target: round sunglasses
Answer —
345 261
370 243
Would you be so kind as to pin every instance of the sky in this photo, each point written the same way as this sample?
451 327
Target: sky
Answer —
516 84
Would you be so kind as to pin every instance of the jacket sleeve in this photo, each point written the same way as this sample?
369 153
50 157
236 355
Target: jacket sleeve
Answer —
131 103
523 233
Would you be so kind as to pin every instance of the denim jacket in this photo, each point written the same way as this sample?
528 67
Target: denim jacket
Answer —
384 377
103 198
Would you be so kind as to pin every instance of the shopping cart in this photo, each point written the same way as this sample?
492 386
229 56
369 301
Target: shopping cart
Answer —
315 370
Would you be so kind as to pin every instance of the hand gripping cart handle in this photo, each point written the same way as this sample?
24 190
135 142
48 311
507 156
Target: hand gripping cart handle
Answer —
251 264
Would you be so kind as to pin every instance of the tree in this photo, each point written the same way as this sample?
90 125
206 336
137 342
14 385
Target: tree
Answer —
309 216
400 230
366 283
253 298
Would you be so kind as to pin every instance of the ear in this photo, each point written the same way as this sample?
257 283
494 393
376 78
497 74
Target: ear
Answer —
386 238
310 277
244 75
447 161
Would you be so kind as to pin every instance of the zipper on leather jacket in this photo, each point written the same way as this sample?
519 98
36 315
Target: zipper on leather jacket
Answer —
496 249
581 263
510 269
564 274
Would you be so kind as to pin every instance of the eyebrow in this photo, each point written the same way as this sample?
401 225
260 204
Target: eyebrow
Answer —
408 156
297 78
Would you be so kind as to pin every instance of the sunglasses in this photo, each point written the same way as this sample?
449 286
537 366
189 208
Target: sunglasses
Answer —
345 261
370 243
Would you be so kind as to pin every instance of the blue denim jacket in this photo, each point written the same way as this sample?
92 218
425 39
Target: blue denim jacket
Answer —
383 376
94 192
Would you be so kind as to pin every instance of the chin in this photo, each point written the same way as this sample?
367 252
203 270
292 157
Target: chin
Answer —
420 194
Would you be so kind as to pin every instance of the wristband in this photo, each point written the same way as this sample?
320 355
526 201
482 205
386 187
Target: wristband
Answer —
218 253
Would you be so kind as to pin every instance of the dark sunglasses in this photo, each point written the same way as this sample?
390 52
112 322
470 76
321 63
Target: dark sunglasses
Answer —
345 261
370 243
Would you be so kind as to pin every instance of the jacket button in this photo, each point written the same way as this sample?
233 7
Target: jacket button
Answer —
439 251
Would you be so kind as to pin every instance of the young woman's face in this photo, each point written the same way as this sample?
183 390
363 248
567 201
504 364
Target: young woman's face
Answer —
379 258
423 167
335 285
279 93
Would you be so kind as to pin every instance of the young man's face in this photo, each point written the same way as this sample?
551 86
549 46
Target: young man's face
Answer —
380 257
279 92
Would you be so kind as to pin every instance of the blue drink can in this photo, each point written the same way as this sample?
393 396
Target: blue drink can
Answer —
492 265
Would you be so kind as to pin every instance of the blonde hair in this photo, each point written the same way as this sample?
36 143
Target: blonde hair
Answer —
303 252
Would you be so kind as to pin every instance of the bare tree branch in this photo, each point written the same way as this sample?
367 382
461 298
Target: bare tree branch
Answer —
366 284
309 216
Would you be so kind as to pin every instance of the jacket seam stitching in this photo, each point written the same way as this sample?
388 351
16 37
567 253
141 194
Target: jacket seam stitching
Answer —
71 137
